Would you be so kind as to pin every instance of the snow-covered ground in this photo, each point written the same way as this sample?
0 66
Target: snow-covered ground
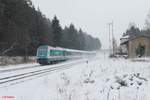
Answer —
100 78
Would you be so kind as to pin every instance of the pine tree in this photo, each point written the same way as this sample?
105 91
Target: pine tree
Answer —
57 32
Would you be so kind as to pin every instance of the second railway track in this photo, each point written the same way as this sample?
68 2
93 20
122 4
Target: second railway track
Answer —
17 77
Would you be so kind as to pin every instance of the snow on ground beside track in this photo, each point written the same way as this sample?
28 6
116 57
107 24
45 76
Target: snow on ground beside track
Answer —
100 78
17 66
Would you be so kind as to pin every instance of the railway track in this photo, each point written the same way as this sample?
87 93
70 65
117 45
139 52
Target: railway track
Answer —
19 77
15 69
22 68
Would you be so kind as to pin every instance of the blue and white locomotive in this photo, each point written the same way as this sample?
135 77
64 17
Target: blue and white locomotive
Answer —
49 55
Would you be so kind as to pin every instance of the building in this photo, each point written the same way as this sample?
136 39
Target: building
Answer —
138 46
124 45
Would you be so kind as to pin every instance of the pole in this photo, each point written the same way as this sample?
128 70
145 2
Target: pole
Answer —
112 37
109 26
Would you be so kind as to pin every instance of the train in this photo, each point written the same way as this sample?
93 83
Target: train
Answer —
49 55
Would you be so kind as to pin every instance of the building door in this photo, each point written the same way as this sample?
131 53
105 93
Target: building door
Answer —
140 51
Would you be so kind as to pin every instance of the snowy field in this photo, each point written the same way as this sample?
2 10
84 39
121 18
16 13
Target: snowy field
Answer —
100 78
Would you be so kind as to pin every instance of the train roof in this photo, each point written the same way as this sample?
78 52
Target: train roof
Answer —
66 49
73 50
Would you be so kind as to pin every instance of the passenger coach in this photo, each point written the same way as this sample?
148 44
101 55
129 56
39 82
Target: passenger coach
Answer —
49 55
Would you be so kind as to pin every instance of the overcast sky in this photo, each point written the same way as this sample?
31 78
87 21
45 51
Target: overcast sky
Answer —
93 15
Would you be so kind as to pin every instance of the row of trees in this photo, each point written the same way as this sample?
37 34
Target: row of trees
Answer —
23 29
134 31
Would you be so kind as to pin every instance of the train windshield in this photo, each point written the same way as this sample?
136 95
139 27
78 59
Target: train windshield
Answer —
42 52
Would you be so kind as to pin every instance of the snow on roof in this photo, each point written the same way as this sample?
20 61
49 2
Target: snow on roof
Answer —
127 36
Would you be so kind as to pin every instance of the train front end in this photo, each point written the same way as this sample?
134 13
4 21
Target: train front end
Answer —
42 55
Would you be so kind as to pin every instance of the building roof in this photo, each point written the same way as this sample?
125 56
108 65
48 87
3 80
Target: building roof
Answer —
140 35
126 39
